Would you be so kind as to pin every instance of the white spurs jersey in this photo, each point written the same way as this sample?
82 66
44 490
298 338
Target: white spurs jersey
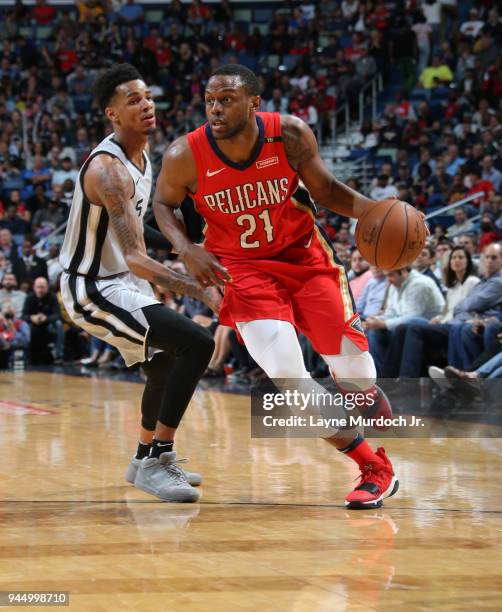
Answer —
90 247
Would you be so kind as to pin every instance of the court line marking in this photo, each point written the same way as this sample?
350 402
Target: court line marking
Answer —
251 504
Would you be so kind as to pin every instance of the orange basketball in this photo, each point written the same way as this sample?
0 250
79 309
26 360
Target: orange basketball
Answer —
390 234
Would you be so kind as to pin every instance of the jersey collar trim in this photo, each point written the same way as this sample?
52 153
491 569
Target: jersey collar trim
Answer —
145 158
229 162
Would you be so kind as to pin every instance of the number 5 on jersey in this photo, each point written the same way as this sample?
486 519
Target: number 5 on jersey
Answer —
250 222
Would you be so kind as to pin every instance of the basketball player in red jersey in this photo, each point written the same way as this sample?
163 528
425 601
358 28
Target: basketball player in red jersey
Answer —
242 170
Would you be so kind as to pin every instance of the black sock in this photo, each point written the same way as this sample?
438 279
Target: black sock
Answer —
161 446
143 450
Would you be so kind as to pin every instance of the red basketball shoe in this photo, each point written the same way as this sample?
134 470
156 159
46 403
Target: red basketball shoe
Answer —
379 407
377 482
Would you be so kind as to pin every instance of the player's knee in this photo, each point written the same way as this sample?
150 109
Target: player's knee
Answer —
353 371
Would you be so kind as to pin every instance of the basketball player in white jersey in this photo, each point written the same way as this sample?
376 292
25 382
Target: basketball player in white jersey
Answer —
105 284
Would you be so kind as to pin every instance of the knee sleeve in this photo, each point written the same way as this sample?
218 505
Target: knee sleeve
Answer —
275 348
352 372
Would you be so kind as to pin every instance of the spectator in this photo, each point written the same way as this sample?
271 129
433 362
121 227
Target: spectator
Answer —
43 13
489 368
14 334
491 174
457 190
350 9
89 10
38 175
423 32
131 13
302 108
439 184
476 185
435 75
47 219
472 27
13 221
344 238
453 161
383 190
412 295
10 294
67 171
406 356
277 103
41 312
5 266
54 268
29 266
38 200
462 224
443 250
473 315
359 274
8 246
372 297
425 263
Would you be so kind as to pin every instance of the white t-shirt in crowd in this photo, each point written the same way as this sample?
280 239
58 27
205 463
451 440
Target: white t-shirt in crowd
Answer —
382 193
455 295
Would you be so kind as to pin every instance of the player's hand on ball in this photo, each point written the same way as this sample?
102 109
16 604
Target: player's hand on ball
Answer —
204 267
212 298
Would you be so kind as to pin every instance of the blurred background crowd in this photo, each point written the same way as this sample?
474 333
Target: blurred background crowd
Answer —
434 141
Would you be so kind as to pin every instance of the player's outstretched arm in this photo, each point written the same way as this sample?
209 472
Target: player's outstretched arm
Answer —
177 179
303 154
108 183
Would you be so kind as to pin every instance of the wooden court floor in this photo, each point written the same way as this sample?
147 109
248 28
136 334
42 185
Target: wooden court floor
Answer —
270 533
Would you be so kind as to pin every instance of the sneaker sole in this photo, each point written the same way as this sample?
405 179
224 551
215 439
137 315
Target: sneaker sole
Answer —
185 497
375 503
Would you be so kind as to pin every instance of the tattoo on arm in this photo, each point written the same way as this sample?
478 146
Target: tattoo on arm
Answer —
114 189
296 144
180 283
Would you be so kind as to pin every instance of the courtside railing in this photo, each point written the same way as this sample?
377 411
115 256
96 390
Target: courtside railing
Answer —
447 209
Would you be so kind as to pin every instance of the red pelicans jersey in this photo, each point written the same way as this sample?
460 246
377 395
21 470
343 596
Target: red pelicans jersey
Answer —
261 227
249 208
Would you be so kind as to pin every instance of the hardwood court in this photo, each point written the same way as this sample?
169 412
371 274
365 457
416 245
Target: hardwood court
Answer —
270 532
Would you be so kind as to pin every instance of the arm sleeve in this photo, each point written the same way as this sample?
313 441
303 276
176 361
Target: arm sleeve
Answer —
155 240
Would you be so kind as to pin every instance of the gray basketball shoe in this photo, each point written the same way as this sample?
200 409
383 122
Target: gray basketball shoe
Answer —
163 478
193 478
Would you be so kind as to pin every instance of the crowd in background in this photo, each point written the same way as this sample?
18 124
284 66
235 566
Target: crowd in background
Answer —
436 142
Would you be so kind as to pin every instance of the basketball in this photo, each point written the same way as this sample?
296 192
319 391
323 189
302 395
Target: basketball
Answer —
391 234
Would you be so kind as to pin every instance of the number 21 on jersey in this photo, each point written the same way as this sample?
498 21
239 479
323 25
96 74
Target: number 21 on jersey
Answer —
249 223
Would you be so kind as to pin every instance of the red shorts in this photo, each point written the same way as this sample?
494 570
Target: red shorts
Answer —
302 285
